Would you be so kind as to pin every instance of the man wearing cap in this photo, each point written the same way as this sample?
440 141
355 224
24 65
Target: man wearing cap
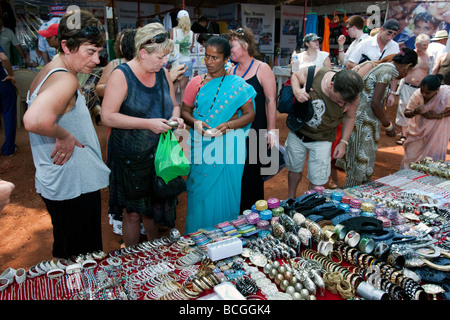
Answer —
48 51
437 44
377 47
355 26
51 35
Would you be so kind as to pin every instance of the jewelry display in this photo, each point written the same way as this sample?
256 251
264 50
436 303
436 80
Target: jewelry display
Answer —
286 253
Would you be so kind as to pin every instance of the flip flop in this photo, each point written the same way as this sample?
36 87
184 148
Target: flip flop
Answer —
401 141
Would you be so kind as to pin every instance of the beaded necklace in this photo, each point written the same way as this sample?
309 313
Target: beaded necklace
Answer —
215 97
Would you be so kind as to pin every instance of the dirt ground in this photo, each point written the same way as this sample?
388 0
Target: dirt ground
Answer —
25 227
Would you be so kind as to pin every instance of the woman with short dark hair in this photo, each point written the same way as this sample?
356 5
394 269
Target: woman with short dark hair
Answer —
66 152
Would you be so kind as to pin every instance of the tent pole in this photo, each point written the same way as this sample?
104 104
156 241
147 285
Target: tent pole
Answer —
304 18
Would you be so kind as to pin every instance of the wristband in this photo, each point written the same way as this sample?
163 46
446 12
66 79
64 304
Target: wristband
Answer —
340 231
21 275
393 92
352 238
89 264
4 283
367 245
389 127
55 273
73 268
344 142
8 274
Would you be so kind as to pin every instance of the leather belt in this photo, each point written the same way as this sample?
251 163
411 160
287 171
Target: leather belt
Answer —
303 137
411 85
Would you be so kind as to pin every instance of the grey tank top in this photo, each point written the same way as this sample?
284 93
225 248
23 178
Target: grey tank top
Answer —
85 171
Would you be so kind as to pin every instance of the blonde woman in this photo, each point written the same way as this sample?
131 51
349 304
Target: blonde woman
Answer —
183 37
138 104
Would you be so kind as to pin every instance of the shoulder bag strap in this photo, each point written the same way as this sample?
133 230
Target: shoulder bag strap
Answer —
310 78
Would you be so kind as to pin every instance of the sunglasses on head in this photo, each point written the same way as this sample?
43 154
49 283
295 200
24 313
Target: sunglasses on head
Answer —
159 38
240 32
89 32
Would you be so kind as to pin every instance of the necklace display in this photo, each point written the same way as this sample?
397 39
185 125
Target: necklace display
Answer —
248 69
214 101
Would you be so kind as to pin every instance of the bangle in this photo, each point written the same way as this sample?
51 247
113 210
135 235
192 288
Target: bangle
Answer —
344 142
393 92
389 127
228 125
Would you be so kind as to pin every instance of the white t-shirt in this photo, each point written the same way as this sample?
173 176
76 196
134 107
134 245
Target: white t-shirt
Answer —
185 42
435 49
370 48
321 56
353 46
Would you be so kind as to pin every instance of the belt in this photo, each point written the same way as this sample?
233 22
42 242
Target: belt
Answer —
303 137
411 85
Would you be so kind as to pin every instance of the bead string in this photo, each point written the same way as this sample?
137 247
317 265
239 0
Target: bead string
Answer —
215 97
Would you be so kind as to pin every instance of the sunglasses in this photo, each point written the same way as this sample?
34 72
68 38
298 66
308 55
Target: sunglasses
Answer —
89 32
240 32
159 38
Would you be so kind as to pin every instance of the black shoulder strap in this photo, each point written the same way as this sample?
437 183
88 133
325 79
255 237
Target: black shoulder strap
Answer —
309 80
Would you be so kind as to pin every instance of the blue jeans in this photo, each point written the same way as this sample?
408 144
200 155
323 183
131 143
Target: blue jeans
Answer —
8 107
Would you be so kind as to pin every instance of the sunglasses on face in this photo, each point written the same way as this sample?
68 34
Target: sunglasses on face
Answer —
391 33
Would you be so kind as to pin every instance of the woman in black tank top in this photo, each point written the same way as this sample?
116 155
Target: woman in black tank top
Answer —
260 76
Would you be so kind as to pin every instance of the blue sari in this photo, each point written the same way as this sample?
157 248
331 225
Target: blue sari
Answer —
217 163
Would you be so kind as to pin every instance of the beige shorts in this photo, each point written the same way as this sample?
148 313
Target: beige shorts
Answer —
319 160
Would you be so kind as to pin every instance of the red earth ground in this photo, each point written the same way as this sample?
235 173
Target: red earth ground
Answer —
25 227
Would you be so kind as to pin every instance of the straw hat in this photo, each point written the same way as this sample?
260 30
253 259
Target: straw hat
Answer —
441 34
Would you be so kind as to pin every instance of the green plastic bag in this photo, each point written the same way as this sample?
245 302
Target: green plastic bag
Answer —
170 161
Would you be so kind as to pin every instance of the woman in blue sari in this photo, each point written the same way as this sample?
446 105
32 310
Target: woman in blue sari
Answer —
219 108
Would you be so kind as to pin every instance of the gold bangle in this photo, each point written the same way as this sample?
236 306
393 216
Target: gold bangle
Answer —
345 289
344 142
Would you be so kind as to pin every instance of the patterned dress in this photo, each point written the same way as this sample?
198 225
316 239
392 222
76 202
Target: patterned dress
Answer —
359 159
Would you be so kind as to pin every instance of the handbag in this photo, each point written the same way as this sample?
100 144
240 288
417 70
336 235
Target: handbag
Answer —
140 178
285 97
168 190
301 112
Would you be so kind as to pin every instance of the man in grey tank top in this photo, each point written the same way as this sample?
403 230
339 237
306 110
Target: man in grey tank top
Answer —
335 98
